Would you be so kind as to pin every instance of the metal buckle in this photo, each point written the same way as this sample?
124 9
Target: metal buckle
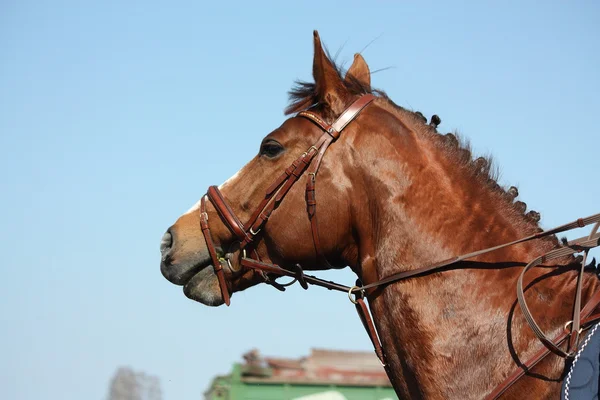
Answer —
254 233
570 323
308 151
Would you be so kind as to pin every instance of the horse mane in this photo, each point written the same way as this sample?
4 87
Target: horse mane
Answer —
303 95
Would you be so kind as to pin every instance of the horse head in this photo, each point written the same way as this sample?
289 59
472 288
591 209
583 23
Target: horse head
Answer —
288 238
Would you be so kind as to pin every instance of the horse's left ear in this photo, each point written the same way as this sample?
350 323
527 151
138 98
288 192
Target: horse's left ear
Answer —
329 86
359 71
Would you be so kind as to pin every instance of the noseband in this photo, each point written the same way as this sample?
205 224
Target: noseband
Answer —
309 161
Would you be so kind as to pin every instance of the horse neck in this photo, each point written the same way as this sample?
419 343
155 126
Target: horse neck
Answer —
439 330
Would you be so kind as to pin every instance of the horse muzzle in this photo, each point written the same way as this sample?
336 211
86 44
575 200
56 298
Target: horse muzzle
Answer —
182 257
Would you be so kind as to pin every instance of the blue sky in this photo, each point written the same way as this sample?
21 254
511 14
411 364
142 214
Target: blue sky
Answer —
108 110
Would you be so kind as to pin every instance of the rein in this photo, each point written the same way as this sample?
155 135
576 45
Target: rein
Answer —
310 161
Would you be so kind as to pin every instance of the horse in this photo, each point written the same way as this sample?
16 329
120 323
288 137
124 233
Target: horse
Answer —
394 195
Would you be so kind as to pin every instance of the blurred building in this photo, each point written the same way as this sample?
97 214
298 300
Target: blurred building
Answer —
323 375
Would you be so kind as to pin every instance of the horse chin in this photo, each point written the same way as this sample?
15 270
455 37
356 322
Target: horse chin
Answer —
204 288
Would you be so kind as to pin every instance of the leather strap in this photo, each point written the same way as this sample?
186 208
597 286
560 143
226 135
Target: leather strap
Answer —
584 243
276 270
334 130
311 203
226 213
365 317
351 112
367 321
218 268
266 207
576 312
588 321
277 192
316 119
439 266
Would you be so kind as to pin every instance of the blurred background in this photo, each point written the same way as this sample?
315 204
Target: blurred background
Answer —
107 110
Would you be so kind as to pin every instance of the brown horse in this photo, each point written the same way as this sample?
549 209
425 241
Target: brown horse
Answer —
393 195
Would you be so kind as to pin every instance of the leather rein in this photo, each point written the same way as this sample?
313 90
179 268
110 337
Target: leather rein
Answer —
310 161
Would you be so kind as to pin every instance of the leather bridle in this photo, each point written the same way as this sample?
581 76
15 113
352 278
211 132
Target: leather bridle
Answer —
310 161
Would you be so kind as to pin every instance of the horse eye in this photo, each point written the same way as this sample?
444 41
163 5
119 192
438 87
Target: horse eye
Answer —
270 149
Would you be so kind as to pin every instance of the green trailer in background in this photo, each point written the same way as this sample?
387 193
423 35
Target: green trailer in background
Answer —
323 375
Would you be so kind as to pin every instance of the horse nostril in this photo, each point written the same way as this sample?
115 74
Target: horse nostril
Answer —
166 243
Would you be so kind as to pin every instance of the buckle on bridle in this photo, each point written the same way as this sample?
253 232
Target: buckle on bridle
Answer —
571 323
309 149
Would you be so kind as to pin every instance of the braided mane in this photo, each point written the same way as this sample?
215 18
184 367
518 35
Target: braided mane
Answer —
303 95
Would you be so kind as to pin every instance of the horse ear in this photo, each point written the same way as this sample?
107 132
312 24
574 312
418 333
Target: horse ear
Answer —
328 83
359 71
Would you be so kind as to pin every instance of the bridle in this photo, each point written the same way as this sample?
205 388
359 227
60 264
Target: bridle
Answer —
310 161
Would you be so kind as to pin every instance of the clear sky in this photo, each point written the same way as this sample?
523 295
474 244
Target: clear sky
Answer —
108 110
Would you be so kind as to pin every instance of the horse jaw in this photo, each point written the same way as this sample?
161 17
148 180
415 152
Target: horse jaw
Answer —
204 288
